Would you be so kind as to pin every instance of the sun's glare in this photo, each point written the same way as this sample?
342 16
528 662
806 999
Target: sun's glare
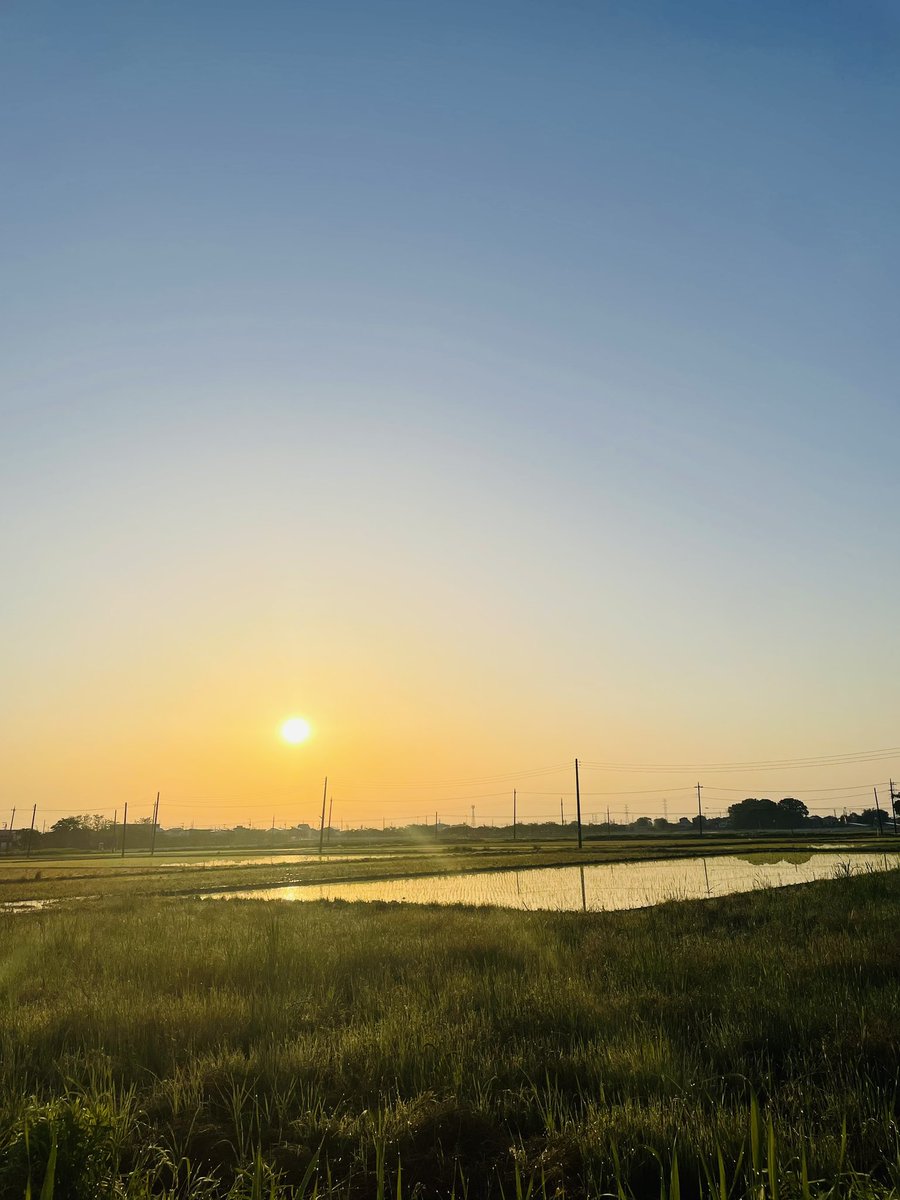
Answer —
295 730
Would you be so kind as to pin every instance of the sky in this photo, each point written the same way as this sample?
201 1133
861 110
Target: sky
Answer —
490 384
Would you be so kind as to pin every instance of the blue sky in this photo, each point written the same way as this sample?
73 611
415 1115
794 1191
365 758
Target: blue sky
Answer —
438 369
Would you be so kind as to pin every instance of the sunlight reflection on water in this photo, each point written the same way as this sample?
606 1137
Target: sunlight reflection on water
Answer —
599 888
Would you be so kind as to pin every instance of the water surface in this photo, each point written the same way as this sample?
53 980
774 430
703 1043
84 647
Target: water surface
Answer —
604 887
21 906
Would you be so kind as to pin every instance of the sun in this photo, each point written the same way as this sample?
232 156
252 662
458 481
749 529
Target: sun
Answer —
295 730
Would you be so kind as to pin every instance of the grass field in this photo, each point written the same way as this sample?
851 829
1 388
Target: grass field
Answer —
739 1048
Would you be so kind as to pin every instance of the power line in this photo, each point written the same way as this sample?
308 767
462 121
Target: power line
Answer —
821 760
856 789
657 791
476 781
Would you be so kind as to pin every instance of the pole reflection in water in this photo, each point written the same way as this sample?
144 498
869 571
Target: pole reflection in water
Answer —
706 876
583 896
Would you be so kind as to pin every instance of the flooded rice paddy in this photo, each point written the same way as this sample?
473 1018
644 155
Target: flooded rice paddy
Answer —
600 888
275 859
20 906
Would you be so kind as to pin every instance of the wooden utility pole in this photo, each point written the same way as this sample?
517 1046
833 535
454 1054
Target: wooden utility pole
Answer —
699 811
153 830
562 815
12 824
124 827
31 831
894 797
322 823
514 814
578 803
877 812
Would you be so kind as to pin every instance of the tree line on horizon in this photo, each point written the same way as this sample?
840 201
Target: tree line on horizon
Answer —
97 832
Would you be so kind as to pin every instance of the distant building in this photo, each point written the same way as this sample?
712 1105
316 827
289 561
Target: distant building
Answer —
9 840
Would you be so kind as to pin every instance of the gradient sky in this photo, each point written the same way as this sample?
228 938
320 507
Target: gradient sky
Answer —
489 383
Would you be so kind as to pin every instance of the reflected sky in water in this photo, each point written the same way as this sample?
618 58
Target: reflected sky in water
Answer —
605 887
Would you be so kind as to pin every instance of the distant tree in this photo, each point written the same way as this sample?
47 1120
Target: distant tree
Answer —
661 823
71 831
96 823
643 823
67 825
871 816
754 814
85 832
791 812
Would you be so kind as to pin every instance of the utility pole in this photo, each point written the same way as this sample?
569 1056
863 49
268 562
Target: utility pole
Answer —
153 830
514 814
894 797
12 822
878 812
607 816
699 812
562 815
322 823
31 831
578 803
473 816
115 828
124 827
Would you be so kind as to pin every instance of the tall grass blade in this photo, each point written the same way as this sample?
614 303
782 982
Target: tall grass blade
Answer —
755 1136
804 1176
300 1190
48 1186
772 1161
